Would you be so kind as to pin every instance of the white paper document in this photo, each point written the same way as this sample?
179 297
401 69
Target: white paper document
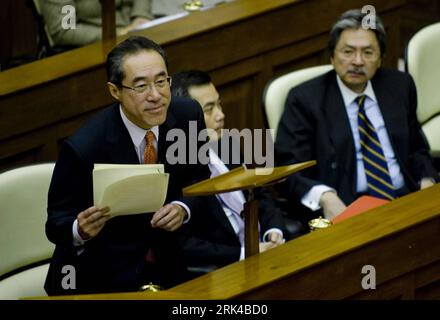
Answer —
130 188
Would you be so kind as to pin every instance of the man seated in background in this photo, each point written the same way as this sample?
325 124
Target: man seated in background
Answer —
358 121
129 15
215 237
88 19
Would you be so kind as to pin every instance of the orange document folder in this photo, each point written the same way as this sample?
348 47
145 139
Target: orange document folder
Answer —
358 206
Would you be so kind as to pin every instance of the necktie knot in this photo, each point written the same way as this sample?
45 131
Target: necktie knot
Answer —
149 136
360 101
150 155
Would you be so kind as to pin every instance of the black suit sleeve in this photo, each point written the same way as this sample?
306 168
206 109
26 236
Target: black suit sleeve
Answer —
202 252
294 143
270 215
69 194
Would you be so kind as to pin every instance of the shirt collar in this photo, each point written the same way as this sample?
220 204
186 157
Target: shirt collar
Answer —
137 133
349 95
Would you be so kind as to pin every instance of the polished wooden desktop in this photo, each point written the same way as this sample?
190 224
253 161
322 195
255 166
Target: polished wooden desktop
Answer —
401 240
242 179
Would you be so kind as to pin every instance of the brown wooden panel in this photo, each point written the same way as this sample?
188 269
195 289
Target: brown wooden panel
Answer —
417 14
36 146
393 257
425 276
427 282
108 19
237 105
429 292
18 34
53 102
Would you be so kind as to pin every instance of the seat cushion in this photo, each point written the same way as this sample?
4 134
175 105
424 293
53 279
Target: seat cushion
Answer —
28 283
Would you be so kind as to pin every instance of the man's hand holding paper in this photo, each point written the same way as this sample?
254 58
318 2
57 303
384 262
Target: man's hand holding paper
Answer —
91 221
170 217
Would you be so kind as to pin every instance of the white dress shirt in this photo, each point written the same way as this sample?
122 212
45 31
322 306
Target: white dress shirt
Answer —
217 167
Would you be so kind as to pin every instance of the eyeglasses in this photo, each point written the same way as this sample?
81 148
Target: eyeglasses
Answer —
366 55
159 84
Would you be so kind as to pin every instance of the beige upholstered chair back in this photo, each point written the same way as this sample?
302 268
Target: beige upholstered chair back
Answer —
23 243
275 95
423 61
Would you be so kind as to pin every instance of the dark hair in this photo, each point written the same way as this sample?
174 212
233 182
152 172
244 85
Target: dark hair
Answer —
352 19
130 46
185 79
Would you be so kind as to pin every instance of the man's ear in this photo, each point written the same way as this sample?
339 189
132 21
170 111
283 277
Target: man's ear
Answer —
114 91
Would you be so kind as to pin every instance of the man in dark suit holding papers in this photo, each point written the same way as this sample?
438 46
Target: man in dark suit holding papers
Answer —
358 121
122 253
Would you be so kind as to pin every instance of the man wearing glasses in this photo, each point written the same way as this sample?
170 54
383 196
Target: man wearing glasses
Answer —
358 121
122 253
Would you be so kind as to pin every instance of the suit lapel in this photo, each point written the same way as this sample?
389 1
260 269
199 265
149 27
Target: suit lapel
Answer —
163 144
341 136
121 148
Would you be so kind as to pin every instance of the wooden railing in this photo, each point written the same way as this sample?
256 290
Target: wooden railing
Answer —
396 246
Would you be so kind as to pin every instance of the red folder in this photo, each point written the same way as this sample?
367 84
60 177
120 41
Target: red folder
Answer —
358 206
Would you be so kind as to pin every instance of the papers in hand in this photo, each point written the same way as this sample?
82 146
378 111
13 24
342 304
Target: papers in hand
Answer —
129 188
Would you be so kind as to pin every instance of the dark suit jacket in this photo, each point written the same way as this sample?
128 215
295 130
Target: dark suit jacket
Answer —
114 260
315 125
211 240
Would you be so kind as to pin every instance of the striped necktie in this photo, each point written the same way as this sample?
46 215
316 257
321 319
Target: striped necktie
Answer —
376 169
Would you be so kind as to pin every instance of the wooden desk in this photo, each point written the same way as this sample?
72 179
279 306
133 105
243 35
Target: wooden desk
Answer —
243 44
400 239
